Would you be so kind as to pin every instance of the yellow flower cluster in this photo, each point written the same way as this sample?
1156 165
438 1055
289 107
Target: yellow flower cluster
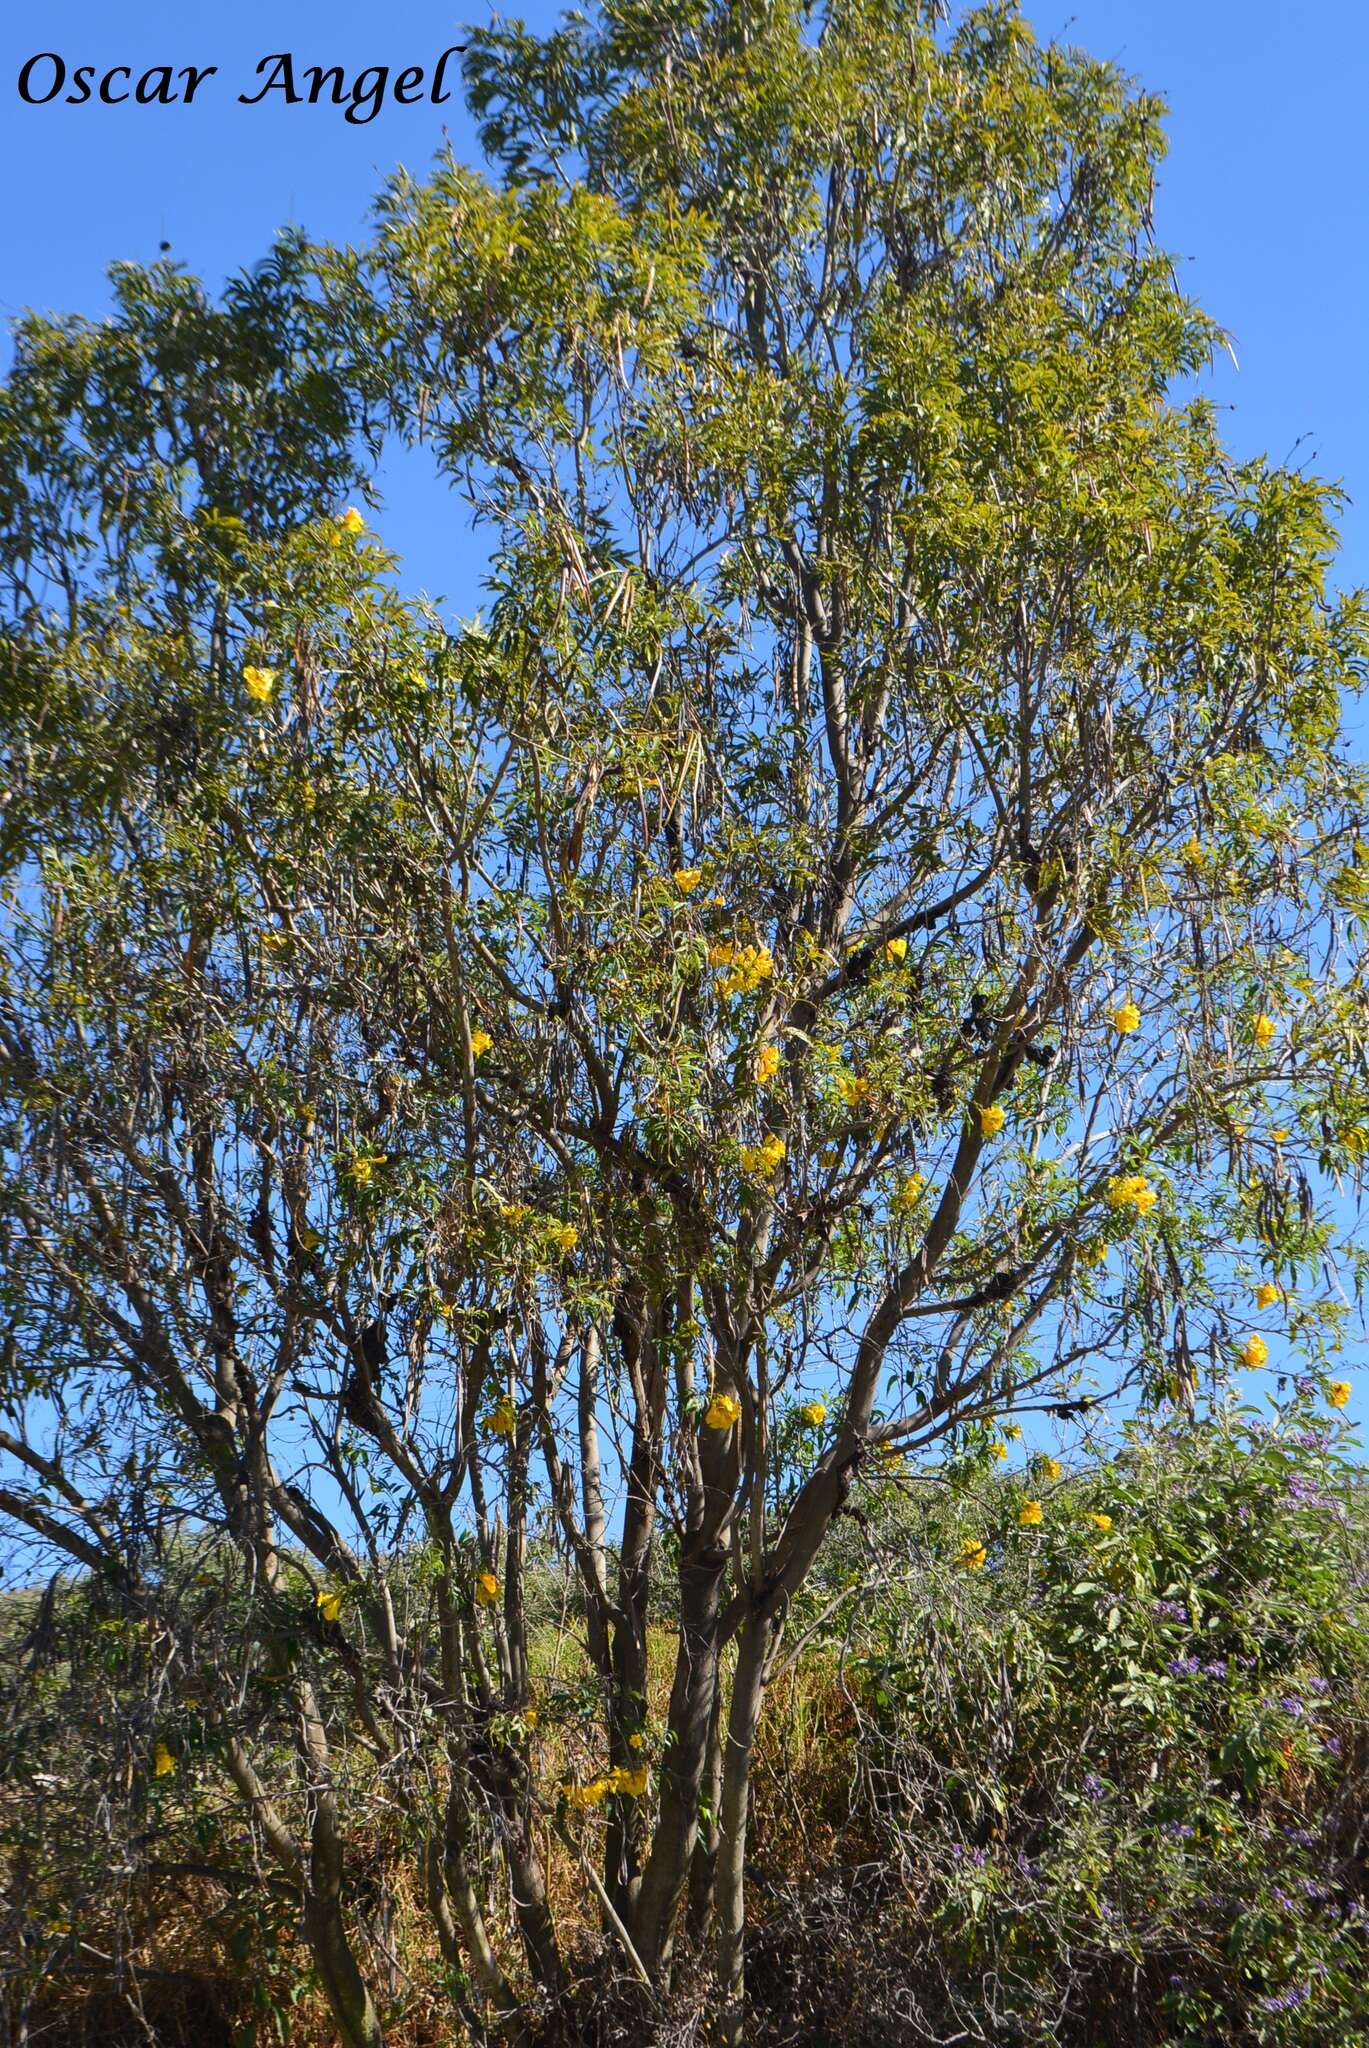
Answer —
765 1159
1338 1393
747 966
1012 1431
486 1590
351 523
361 1170
480 1042
163 1762
329 1605
910 1192
973 1555
1051 1468
1263 1030
260 684
1103 1522
1266 1294
502 1419
767 1064
1131 1190
1254 1351
1126 1018
854 1090
686 880
991 1121
999 1451
813 1412
896 949
1029 1515
565 1237
723 1411
625 1783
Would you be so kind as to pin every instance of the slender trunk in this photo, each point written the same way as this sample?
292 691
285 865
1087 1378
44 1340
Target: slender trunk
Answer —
703 1863
353 2008
753 1650
639 1334
691 1711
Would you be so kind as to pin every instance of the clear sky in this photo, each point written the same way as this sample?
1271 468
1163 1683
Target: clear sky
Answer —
1262 197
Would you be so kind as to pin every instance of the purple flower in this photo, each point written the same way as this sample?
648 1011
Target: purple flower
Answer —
1318 1685
1332 1745
1284 2001
1094 1788
1179 1830
1182 1667
1172 1610
1216 1669
1291 1705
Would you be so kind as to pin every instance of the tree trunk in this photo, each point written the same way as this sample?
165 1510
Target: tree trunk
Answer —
729 1884
703 1863
353 2008
691 1711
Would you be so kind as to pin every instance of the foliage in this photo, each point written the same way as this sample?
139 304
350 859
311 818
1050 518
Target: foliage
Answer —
868 923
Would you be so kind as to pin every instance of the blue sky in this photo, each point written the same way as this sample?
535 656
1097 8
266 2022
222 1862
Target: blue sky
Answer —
1261 198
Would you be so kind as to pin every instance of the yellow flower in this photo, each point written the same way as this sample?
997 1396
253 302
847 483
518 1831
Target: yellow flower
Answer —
486 1590
361 1170
530 1718
1192 852
261 684
636 1740
1051 1468
1263 1030
1103 1522
973 1555
1029 1515
722 1411
565 1237
999 1451
586 1795
480 1042
1012 1431
1126 1017
163 1762
329 1605
813 1413
686 879
628 1784
1338 1393
895 949
1266 1294
308 795
764 1159
352 521
991 1121
767 1064
748 967
1131 1189
721 953
502 1419
854 1089
1254 1351
910 1192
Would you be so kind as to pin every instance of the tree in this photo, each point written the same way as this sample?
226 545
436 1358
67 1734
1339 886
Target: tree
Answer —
852 949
